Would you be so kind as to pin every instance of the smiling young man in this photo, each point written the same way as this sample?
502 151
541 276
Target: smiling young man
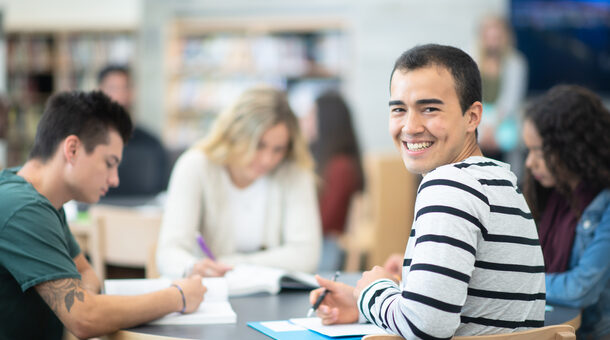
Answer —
45 281
473 264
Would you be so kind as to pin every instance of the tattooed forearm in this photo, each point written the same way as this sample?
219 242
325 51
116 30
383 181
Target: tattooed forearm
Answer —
61 293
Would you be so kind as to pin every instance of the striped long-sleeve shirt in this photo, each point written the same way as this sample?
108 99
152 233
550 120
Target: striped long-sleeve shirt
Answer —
473 264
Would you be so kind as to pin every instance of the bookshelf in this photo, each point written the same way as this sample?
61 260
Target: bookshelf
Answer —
209 63
42 63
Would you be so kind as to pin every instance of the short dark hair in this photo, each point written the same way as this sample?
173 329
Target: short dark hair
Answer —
462 67
104 72
87 115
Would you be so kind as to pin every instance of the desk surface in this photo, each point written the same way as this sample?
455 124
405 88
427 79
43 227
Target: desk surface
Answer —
287 304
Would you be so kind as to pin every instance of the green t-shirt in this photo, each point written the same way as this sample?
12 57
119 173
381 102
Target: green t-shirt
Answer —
36 246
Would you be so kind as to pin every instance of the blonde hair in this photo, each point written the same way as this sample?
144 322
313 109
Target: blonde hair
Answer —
235 136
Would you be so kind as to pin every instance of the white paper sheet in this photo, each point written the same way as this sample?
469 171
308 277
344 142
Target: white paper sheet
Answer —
282 326
352 329
215 308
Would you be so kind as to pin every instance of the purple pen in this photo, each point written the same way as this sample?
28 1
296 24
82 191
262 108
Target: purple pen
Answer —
205 248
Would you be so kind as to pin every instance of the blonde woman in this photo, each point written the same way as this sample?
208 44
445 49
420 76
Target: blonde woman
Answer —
248 189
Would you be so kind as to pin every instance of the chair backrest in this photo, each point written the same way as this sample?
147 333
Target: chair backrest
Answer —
124 236
556 332
392 197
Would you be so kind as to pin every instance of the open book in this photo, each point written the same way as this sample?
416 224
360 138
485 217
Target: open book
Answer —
251 279
215 308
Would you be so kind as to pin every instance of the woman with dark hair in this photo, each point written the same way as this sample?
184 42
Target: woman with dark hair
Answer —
567 132
337 155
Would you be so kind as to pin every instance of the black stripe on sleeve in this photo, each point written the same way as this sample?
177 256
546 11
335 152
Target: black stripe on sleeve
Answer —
509 267
441 270
465 165
381 319
446 240
423 335
406 262
372 301
510 211
412 233
496 182
428 301
476 222
364 294
503 323
511 239
499 182
451 211
457 185
505 295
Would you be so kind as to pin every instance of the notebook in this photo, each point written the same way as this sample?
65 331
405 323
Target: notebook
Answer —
215 308
252 279
312 328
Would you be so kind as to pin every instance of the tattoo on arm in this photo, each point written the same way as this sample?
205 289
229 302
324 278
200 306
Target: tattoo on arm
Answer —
61 292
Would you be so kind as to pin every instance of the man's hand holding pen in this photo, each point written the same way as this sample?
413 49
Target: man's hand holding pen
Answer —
339 304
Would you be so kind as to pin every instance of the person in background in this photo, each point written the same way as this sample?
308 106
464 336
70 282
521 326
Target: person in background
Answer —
335 149
473 263
567 186
504 76
248 188
46 283
145 167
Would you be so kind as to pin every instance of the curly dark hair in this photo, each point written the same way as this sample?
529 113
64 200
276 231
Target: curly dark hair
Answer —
575 129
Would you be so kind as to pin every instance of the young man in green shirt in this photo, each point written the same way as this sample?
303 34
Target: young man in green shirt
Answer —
46 283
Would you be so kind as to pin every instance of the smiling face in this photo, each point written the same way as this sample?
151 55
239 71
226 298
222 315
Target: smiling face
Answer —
426 120
535 161
270 151
91 175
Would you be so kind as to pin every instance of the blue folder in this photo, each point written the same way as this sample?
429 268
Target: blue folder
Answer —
305 334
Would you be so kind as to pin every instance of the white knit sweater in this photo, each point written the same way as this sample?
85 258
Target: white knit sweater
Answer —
196 203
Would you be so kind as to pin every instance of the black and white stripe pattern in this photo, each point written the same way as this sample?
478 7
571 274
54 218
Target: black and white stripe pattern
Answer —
473 264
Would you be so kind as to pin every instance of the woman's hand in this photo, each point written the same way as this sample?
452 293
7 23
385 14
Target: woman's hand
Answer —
210 268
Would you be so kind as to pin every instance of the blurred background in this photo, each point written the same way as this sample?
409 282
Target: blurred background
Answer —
190 58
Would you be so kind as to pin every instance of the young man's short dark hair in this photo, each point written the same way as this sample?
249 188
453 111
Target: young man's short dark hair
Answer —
112 69
87 115
462 67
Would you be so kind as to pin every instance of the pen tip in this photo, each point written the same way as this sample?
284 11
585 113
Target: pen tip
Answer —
310 312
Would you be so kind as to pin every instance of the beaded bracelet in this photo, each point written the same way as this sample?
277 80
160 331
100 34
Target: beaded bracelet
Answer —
183 298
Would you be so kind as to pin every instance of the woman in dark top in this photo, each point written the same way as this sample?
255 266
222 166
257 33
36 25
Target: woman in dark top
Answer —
567 186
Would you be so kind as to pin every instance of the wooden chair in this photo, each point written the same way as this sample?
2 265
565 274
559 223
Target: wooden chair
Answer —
556 332
122 236
379 221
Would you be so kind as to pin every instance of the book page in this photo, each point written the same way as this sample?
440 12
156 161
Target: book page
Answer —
251 279
352 329
214 309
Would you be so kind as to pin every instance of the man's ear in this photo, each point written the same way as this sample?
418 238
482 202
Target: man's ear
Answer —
473 115
70 148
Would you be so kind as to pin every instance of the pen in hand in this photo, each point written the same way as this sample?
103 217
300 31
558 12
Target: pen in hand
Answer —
321 297
205 248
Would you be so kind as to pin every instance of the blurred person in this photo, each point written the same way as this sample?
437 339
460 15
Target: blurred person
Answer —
335 149
568 189
473 263
504 76
145 167
46 283
248 188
